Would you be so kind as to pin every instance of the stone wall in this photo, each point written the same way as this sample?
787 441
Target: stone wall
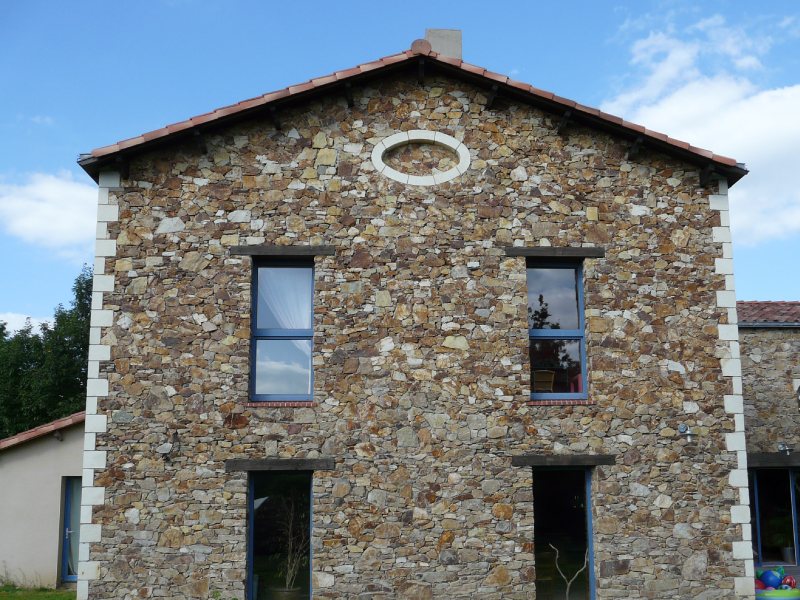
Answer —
771 370
421 374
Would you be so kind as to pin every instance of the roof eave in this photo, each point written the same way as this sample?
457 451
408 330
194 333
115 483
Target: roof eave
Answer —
507 87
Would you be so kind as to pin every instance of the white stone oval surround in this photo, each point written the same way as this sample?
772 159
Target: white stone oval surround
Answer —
420 135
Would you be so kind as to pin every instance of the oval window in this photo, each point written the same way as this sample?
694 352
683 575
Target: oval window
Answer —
421 157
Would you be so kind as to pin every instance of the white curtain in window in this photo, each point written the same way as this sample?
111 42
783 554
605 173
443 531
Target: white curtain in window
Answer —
286 292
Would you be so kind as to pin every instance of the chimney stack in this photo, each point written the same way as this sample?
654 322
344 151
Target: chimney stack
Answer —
445 41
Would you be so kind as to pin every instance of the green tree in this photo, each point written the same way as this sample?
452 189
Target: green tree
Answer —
43 375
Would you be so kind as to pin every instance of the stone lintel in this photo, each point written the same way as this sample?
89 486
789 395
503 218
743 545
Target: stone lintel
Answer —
280 464
273 250
555 252
773 459
559 460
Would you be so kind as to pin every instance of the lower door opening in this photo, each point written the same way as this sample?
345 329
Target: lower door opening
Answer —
280 535
562 522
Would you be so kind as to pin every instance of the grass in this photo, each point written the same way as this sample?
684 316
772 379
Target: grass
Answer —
12 592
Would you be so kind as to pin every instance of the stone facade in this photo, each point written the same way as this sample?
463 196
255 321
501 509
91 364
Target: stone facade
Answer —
771 365
421 374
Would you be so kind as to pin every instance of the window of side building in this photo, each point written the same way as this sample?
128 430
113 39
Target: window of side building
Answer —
556 330
282 326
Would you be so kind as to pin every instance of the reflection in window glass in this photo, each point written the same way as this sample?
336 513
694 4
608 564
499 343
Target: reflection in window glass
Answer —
552 299
284 298
283 366
556 366
280 529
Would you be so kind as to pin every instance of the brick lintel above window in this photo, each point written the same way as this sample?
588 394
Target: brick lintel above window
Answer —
556 252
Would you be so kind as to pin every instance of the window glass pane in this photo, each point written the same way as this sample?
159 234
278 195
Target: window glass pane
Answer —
283 366
281 533
284 298
556 366
553 299
560 525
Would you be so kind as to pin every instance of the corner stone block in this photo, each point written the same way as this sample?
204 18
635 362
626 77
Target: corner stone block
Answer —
86 517
740 514
107 213
721 234
89 570
105 247
731 367
726 299
734 404
97 387
96 423
108 179
90 533
83 551
723 266
102 318
103 283
93 496
744 587
82 591
738 477
735 441
99 352
729 332
94 459
718 202
742 550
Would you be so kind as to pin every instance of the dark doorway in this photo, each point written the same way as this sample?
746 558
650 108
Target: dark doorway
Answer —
773 508
561 516
280 535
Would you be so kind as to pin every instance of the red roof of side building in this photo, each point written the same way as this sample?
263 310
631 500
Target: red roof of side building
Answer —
420 49
42 430
786 313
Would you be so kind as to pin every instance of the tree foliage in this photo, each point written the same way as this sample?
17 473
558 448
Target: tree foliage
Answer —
43 375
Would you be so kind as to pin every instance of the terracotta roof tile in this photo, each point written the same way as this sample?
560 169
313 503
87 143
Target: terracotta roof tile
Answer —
565 101
456 62
420 50
587 109
519 84
496 76
42 430
634 126
179 126
542 93
768 312
389 60
472 69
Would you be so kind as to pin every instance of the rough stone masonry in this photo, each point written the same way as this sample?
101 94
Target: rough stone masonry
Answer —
421 373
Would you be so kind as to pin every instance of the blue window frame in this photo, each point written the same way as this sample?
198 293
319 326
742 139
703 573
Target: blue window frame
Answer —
282 326
556 329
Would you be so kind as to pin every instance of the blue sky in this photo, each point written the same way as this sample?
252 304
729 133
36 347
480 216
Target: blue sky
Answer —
76 76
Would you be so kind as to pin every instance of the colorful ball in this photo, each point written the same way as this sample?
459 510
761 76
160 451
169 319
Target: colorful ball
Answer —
790 581
760 585
771 579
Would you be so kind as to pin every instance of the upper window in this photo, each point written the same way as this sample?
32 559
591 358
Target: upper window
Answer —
283 318
556 330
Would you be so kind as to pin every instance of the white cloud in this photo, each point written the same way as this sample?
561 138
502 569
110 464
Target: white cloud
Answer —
51 211
42 120
15 321
697 90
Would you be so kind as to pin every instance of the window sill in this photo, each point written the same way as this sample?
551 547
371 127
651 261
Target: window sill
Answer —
281 404
555 402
